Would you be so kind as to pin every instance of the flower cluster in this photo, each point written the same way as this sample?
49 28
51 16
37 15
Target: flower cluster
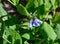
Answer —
35 22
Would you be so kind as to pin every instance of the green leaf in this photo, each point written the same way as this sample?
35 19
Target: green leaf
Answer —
40 2
49 30
47 16
11 21
14 2
12 27
25 42
0 1
41 10
29 4
56 43
2 11
57 30
26 36
47 5
36 3
5 18
58 1
22 10
54 4
57 18
0 26
15 37
24 25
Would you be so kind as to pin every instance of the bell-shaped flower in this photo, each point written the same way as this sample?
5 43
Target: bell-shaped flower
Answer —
35 22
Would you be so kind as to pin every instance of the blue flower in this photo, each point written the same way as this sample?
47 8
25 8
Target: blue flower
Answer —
35 22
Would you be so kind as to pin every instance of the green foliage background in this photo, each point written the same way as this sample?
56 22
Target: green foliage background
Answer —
15 31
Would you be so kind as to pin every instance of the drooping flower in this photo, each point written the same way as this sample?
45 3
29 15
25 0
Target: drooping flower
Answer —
35 22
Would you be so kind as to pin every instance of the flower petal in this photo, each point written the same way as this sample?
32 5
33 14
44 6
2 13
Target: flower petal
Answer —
35 23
